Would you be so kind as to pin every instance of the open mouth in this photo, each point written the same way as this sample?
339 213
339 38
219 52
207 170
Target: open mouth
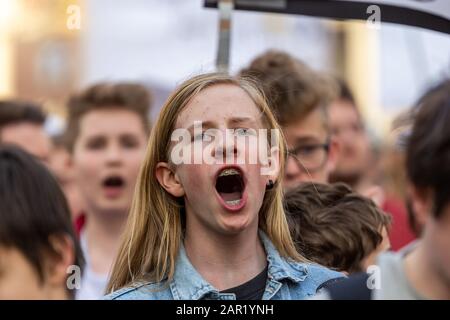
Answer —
230 186
113 182
113 187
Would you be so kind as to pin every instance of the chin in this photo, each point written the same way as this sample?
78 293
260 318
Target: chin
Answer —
114 209
235 227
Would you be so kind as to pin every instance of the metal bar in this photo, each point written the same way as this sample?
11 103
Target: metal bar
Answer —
223 53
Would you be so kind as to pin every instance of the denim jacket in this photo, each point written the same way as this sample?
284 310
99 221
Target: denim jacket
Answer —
287 280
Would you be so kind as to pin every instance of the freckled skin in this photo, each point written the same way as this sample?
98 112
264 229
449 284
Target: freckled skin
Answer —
218 105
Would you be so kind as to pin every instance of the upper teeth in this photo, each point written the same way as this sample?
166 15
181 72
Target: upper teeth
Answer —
228 172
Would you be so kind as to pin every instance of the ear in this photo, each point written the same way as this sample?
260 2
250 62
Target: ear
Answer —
56 266
333 154
169 180
421 202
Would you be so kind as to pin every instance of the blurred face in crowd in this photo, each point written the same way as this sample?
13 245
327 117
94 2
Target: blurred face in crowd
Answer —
61 166
354 152
30 137
19 279
311 152
224 198
107 155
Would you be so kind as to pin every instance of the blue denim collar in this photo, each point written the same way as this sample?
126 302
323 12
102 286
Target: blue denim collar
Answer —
188 284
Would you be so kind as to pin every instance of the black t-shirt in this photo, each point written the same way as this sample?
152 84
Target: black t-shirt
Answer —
252 289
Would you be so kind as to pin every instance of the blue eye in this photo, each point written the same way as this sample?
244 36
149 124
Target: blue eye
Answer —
243 131
200 137
204 136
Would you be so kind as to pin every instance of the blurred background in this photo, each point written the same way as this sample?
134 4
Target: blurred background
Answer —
44 58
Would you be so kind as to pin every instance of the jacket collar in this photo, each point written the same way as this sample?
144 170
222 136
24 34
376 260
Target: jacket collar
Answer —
188 284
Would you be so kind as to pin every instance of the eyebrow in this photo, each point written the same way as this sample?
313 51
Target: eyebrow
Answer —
231 122
306 139
205 124
240 120
102 135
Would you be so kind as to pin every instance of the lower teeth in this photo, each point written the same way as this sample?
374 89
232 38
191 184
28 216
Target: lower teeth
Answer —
233 202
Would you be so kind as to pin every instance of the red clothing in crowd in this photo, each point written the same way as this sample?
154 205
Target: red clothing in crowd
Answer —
401 233
79 223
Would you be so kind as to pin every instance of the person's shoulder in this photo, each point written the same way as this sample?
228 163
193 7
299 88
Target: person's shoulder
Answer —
141 291
323 276
320 276
354 287
309 279
133 292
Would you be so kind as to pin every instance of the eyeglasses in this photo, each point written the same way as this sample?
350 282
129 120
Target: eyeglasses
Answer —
310 157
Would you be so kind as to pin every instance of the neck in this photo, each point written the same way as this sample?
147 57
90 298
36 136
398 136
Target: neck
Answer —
423 275
225 261
103 238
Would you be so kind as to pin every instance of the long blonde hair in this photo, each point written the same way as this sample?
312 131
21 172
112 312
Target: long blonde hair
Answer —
154 231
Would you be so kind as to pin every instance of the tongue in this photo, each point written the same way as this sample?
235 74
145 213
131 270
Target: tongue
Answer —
230 196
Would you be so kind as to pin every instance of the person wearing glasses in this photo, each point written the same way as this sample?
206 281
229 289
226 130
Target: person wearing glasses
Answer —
299 98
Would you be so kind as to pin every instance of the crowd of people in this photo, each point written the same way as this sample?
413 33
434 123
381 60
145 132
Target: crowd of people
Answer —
281 193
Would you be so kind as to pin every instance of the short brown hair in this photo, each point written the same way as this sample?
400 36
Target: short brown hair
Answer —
12 112
333 226
33 209
428 147
292 88
344 93
122 96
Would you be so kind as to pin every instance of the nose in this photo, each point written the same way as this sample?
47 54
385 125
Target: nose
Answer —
113 155
226 147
